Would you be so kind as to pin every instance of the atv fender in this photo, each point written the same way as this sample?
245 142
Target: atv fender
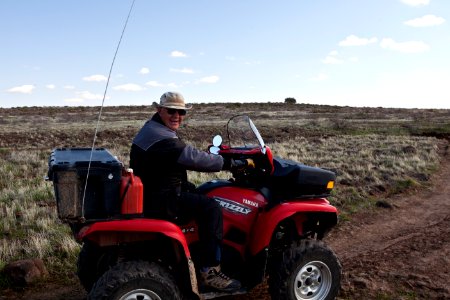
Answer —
108 233
268 221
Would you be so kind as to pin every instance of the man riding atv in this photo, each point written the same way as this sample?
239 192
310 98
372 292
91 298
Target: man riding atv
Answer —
161 159
268 223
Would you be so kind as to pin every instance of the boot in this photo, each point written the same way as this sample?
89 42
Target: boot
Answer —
214 278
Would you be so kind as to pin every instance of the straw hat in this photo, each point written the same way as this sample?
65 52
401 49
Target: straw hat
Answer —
172 100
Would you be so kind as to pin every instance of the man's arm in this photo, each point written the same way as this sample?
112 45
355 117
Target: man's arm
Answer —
197 160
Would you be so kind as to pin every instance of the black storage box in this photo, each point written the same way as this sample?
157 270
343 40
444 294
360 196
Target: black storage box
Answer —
68 169
294 180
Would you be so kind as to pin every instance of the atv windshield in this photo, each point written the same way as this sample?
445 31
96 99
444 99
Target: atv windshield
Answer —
242 133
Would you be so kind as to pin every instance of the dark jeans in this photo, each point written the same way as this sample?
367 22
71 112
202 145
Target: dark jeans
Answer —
206 212
208 215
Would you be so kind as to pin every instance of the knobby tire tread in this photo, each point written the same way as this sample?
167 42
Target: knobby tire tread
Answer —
111 281
286 262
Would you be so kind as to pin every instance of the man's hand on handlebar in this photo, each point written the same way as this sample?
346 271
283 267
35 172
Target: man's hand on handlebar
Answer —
238 164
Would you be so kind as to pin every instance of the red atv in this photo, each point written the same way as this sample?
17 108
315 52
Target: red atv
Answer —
275 215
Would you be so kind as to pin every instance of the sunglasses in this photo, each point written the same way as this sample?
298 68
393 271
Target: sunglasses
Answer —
172 111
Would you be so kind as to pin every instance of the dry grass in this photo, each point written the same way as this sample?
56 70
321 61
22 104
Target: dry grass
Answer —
29 226
366 166
372 161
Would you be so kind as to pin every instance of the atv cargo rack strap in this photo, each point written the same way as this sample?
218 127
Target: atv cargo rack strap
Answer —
101 107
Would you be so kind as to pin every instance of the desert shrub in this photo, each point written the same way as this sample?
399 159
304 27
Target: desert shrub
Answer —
290 100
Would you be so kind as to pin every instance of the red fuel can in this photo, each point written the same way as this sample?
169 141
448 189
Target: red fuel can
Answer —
131 193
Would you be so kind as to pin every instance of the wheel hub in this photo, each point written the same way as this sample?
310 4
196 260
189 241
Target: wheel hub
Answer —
313 281
140 294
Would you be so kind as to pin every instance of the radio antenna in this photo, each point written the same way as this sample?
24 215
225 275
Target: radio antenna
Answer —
101 109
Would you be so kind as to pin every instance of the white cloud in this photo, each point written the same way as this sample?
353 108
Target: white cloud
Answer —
89 96
425 21
154 84
209 79
69 87
129 87
319 77
183 70
230 58
177 54
96 78
416 2
23 89
331 60
50 86
353 40
144 71
404 47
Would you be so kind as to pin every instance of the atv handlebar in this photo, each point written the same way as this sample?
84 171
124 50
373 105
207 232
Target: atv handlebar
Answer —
250 163
232 164
244 160
241 164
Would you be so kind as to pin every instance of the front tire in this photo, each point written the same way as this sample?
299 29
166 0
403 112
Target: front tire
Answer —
308 269
136 280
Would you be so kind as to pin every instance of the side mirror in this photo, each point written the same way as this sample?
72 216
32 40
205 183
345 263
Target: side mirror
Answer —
214 150
217 141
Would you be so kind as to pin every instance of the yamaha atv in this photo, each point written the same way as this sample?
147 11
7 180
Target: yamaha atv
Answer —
275 216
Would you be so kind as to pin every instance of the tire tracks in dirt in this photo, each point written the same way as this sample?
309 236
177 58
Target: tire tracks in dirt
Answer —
399 253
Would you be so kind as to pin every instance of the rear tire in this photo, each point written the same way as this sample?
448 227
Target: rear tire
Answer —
308 269
135 280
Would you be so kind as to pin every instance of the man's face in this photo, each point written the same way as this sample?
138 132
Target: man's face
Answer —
172 118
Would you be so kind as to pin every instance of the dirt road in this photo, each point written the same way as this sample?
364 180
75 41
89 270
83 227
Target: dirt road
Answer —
402 252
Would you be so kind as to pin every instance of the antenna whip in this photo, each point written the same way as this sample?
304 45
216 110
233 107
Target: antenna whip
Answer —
101 109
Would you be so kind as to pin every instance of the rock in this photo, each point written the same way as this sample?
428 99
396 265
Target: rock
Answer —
26 271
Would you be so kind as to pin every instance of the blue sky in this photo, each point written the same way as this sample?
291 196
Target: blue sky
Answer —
389 53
